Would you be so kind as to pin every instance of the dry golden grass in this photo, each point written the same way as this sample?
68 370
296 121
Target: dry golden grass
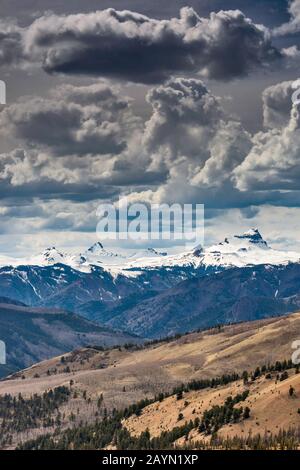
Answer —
271 406
125 376
161 367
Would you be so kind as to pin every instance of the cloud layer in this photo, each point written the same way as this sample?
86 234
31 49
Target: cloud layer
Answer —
11 49
76 120
77 145
273 162
129 46
85 142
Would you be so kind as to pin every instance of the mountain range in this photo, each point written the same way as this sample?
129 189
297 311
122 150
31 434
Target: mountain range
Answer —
154 294
248 248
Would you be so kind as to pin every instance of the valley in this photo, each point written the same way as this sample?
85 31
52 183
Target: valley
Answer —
32 334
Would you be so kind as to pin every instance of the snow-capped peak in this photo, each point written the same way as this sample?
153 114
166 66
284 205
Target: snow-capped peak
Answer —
48 257
247 241
198 250
148 253
246 249
52 255
97 254
253 237
96 248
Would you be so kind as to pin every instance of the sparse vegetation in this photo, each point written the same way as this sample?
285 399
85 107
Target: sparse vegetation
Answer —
90 407
18 414
214 418
283 440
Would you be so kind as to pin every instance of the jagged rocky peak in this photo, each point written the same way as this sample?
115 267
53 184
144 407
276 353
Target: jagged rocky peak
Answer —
198 250
97 252
96 247
52 253
253 237
154 252
250 240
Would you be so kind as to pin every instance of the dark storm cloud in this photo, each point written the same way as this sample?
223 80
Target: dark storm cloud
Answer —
134 47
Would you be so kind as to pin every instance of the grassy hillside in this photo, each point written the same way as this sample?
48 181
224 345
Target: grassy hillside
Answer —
119 377
271 409
258 411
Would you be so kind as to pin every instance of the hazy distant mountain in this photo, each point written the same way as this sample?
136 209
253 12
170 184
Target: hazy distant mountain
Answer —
34 334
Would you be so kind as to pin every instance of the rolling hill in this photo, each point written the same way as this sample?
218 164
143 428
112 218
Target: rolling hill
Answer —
122 376
34 334
272 410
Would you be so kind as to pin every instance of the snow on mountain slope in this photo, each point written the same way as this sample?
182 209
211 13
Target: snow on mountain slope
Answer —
247 249
242 250
48 257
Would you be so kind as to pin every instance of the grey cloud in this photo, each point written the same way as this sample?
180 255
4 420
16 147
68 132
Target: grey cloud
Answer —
76 120
293 26
273 162
11 49
192 134
227 150
134 47
277 102
99 94
69 125
27 174
180 106
189 150
231 168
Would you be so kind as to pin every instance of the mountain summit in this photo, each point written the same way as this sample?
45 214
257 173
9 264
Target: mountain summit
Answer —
96 248
99 284
48 257
249 240
253 237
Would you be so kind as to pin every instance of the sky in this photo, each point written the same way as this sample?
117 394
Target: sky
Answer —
160 102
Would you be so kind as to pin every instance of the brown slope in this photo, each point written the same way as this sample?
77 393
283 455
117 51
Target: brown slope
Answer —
272 409
125 376
160 367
